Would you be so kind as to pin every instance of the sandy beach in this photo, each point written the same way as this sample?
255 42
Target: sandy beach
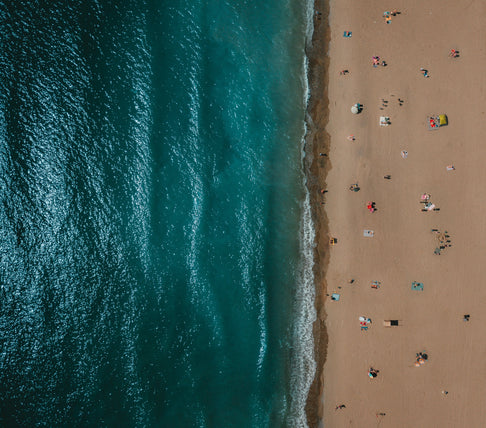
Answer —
448 389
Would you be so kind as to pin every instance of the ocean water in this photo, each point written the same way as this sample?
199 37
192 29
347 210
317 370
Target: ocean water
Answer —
155 230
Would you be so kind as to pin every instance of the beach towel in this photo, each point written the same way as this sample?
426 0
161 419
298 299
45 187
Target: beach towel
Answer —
418 286
384 121
335 296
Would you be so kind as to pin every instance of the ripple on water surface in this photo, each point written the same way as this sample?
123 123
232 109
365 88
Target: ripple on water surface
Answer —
155 238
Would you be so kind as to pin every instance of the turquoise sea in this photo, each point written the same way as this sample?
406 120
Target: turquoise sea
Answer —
155 231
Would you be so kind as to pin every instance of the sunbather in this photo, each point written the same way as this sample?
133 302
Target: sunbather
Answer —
372 373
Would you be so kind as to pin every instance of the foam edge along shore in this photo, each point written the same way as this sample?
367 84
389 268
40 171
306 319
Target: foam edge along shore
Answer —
316 169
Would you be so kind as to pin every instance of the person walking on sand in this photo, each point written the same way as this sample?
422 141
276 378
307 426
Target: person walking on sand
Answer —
424 72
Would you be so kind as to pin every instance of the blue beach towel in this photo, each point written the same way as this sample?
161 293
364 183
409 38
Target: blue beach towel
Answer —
417 286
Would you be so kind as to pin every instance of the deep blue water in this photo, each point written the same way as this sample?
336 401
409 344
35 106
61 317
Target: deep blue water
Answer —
155 233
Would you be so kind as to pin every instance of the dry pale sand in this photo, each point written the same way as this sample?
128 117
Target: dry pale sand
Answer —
402 249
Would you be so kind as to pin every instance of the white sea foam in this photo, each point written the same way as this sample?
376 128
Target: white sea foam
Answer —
303 366
309 14
303 362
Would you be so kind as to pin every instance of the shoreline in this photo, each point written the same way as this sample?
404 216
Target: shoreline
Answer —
316 169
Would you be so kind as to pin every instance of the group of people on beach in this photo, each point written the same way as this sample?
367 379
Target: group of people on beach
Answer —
376 61
387 15
372 373
421 357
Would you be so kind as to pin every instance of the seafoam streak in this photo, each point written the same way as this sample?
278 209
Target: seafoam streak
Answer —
303 362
